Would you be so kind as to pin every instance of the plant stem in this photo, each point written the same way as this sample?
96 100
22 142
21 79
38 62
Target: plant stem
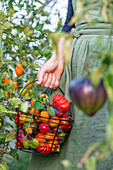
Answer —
88 152
1 54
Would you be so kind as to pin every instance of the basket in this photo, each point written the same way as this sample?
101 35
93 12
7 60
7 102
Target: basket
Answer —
38 133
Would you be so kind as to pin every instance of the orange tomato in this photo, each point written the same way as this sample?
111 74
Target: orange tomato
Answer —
54 121
33 100
44 116
52 147
33 111
41 138
20 145
7 93
29 130
15 84
54 143
50 136
19 69
22 119
6 80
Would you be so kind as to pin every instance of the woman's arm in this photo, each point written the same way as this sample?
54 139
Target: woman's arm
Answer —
50 73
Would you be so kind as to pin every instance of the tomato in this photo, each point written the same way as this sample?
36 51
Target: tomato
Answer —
44 128
61 102
35 142
19 69
32 146
52 147
23 91
54 121
43 148
65 123
40 137
19 144
26 143
30 84
27 129
3 166
21 120
33 100
61 137
51 136
44 116
65 115
15 84
7 94
6 80
54 143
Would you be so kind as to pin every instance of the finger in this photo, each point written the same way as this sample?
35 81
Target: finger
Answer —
40 76
56 84
45 78
49 80
52 82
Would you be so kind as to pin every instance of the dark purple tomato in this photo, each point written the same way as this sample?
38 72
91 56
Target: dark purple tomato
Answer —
87 97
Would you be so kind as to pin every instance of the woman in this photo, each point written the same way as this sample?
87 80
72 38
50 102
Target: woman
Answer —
86 130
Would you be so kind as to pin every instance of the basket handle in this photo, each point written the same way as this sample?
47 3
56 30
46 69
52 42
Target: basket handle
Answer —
33 82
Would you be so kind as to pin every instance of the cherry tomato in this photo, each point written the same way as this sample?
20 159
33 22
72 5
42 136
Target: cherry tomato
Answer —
35 142
44 128
26 143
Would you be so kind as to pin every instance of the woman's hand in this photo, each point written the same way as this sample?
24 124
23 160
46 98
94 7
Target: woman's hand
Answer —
50 73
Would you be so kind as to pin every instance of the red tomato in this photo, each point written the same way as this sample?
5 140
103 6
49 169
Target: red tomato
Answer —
43 148
44 128
61 102
65 123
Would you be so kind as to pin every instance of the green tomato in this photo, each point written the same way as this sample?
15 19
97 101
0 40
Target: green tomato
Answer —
32 146
26 143
35 142
29 119
3 166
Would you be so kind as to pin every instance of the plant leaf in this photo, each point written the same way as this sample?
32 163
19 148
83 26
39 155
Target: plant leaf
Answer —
38 106
51 111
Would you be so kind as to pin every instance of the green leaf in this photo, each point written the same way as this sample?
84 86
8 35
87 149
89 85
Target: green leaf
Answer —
2 135
51 111
39 27
10 11
7 25
10 137
2 16
10 87
91 163
15 102
108 82
2 108
2 93
28 31
38 106
36 65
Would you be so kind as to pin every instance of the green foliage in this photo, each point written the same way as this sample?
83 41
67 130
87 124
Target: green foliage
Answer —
23 39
